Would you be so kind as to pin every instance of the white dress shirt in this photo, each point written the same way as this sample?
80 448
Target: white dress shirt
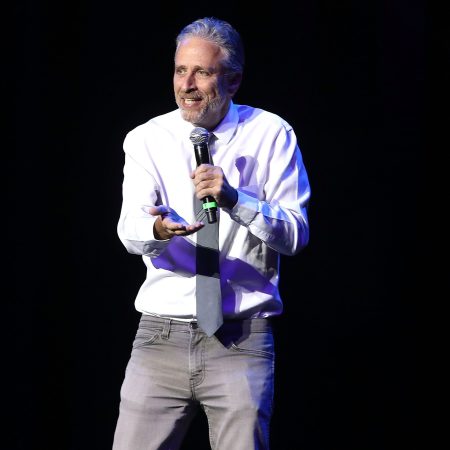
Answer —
260 157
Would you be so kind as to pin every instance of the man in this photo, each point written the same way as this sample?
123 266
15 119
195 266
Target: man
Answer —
258 183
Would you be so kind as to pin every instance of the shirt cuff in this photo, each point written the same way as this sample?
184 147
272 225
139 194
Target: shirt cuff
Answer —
150 245
245 209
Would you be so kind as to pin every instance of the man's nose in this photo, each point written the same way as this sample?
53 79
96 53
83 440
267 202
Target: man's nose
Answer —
188 82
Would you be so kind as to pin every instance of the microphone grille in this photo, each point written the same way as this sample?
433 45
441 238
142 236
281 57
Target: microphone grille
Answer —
199 135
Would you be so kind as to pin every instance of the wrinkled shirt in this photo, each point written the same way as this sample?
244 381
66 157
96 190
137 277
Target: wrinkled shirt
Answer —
260 157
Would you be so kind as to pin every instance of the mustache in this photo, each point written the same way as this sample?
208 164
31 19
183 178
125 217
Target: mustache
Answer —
191 97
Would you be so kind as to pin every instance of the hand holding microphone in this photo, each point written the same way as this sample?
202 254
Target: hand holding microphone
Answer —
199 137
222 193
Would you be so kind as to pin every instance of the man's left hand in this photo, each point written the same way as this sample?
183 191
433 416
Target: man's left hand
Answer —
210 180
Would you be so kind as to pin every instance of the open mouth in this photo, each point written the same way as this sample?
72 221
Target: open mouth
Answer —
191 101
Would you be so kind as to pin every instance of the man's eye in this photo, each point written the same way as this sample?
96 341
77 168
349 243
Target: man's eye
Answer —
202 73
180 71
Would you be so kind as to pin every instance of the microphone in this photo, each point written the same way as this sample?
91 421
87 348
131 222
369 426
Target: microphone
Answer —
200 137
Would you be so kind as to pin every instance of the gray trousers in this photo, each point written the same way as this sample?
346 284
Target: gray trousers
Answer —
175 368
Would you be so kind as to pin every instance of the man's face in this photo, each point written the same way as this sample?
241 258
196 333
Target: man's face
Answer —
202 90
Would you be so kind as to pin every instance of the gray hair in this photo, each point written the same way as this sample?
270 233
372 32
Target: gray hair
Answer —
220 33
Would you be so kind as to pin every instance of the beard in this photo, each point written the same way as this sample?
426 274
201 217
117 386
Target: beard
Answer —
210 111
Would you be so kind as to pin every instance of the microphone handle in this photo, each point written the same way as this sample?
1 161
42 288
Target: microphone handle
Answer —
209 203
210 207
202 154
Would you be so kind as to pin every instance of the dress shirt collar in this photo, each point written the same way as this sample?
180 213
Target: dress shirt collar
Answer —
226 128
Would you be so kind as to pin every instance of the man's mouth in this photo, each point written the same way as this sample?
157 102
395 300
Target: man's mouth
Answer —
191 101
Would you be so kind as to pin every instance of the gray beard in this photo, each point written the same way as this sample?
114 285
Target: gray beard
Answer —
197 118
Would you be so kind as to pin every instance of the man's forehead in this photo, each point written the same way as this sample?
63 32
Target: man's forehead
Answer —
198 51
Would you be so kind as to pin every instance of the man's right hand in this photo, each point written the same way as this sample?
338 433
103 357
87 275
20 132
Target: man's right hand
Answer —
169 223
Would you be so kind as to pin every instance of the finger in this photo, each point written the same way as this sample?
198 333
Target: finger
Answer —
205 171
193 228
203 167
189 229
158 210
207 188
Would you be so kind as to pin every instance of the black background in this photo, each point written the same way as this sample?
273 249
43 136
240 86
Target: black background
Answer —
348 76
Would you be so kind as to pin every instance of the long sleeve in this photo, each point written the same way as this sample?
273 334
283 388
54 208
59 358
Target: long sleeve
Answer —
259 155
139 192
280 218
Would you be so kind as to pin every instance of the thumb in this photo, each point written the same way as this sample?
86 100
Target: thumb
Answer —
160 210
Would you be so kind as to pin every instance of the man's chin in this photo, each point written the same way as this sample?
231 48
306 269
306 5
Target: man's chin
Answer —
191 116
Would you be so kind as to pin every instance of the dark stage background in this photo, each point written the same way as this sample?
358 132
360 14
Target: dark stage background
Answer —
348 76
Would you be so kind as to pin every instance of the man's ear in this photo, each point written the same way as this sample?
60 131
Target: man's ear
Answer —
234 81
